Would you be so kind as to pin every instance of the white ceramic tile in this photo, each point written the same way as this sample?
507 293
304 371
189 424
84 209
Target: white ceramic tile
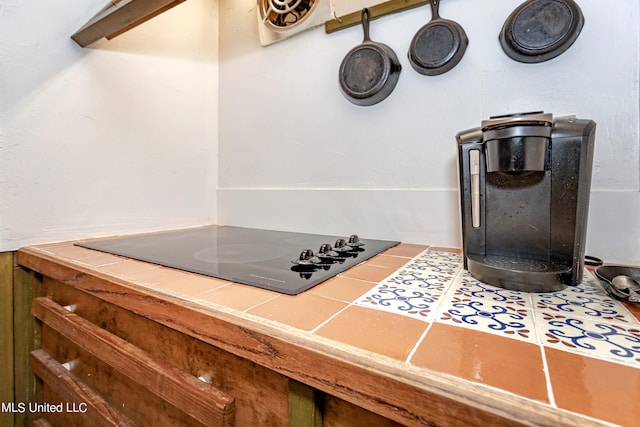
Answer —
490 312
416 303
466 286
590 337
472 304
587 300
420 279
443 263
416 289
440 255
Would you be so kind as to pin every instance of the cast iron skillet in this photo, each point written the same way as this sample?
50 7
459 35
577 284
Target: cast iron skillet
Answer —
369 71
539 30
438 46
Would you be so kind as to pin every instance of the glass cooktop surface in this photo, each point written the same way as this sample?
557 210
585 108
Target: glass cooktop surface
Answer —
263 258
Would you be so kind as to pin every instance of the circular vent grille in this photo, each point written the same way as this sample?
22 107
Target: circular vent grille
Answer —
282 15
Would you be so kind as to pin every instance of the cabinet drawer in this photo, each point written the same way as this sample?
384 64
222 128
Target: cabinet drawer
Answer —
78 399
260 395
201 401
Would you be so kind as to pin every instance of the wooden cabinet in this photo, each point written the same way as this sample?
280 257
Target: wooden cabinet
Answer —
110 364
136 353
105 365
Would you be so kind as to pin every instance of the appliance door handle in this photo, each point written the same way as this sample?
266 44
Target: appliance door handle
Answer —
474 166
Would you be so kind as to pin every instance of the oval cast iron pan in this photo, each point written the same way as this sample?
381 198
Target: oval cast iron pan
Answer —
540 30
369 72
438 46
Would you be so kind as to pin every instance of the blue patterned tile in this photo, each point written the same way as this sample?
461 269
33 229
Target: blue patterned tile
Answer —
587 300
472 288
441 255
587 306
485 315
420 304
582 319
420 279
437 262
464 274
611 341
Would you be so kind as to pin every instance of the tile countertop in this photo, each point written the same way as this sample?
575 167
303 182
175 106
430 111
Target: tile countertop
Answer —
573 355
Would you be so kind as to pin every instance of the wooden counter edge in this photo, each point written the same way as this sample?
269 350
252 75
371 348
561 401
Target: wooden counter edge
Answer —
399 391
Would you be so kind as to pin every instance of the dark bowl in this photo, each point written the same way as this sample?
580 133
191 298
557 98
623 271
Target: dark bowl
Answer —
606 273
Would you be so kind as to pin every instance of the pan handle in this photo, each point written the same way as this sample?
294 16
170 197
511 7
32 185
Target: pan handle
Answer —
435 6
365 16
593 261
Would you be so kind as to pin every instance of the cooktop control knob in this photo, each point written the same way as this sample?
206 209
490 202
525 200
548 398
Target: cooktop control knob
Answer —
307 257
354 241
327 252
325 248
341 246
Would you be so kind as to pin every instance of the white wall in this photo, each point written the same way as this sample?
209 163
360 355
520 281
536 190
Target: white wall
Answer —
115 138
295 155
123 136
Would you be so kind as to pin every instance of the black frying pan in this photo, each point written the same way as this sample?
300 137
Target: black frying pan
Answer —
369 71
539 30
438 46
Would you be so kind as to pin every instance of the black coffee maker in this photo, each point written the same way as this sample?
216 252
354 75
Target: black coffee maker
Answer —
525 181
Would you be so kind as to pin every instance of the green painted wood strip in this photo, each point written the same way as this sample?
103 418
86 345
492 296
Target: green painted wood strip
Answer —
27 285
305 405
6 335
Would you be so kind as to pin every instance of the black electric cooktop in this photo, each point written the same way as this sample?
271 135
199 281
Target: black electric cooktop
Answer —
280 261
